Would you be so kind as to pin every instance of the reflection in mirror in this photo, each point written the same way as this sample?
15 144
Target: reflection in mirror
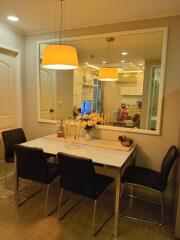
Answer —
131 102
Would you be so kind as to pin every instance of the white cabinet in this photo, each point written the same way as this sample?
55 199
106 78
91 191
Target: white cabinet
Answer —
83 80
131 91
134 89
77 87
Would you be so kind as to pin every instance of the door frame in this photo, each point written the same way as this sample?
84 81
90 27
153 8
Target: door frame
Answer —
18 96
149 95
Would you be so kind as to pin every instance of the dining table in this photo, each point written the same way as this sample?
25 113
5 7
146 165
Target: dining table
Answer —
110 158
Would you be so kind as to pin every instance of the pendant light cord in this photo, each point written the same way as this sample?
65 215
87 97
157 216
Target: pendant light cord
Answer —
109 41
61 21
55 20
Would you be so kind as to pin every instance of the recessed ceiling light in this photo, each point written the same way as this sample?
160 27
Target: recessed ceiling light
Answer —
123 61
104 62
141 64
13 18
124 53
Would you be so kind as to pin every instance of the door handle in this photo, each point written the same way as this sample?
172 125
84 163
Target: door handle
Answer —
51 110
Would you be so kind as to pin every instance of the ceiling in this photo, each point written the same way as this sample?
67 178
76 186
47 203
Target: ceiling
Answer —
39 15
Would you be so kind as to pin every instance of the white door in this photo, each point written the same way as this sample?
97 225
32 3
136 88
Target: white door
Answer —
8 90
47 95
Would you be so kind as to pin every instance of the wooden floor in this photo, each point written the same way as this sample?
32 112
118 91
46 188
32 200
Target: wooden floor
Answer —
28 222
10 169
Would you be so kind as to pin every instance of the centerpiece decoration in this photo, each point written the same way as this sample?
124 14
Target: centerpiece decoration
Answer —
125 140
89 122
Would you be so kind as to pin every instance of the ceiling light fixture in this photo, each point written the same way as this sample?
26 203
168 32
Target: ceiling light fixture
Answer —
104 62
13 18
124 53
130 71
123 61
108 73
60 56
93 66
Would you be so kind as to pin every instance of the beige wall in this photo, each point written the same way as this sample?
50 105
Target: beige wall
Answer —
150 148
111 104
64 94
13 40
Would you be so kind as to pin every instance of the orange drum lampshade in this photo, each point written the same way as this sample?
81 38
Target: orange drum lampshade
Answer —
60 57
108 74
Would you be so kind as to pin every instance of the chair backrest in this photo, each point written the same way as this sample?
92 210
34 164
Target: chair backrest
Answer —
167 164
77 174
31 163
11 137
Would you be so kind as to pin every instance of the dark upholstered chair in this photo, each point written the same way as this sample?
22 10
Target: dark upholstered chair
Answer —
32 165
11 137
78 176
151 179
136 120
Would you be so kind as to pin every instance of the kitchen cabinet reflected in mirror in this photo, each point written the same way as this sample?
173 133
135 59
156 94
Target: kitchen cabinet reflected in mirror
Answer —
131 102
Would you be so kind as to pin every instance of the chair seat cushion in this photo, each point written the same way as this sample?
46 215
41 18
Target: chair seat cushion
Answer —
53 171
102 182
142 176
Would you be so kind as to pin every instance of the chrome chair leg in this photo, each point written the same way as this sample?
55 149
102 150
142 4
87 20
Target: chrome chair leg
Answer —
94 215
62 203
6 168
132 194
162 209
47 212
122 189
17 190
60 199
95 232
21 193
152 202
46 201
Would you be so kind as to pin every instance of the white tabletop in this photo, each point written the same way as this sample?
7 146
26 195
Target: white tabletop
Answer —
115 158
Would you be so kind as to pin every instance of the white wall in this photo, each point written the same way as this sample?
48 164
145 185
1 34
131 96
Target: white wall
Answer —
13 40
150 148
64 83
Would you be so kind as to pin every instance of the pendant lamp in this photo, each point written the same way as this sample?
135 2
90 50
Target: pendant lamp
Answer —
108 73
60 56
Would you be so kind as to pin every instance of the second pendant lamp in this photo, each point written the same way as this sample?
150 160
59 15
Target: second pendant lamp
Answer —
60 56
108 73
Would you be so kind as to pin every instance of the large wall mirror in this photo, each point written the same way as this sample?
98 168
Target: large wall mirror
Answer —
133 103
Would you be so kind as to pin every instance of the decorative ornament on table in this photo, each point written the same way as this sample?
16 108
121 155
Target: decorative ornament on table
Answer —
125 140
60 128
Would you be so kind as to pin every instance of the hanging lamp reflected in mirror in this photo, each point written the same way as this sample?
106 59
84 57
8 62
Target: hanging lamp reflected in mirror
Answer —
60 56
108 73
